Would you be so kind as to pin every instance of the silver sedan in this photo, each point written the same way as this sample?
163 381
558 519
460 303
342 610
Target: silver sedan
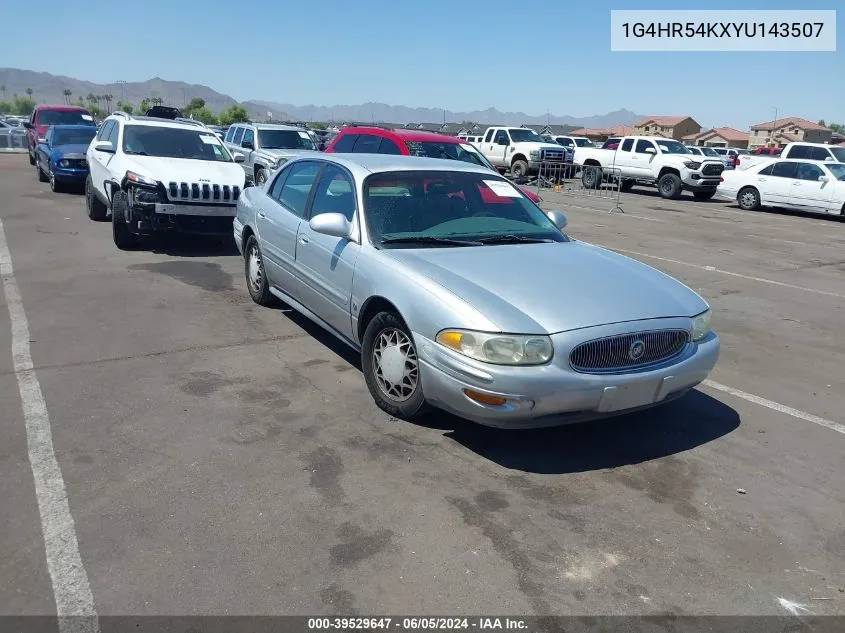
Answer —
461 293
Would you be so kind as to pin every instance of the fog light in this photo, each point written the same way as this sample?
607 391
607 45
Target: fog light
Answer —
483 398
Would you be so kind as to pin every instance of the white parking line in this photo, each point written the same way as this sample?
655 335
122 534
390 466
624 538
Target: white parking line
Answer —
713 269
775 406
72 593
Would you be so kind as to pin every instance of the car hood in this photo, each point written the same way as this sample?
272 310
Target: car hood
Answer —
185 170
535 288
73 148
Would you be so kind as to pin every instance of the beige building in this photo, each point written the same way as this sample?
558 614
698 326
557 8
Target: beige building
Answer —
718 137
675 127
779 133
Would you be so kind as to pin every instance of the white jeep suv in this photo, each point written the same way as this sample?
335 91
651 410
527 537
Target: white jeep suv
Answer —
161 174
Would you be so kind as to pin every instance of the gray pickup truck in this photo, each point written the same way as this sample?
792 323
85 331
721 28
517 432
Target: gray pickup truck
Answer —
266 147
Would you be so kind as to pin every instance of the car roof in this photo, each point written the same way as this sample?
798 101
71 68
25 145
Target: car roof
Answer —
157 122
270 126
363 165
64 108
420 136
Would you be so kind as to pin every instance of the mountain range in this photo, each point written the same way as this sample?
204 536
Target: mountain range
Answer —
48 88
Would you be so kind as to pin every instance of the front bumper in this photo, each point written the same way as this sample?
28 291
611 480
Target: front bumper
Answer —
555 394
699 182
70 174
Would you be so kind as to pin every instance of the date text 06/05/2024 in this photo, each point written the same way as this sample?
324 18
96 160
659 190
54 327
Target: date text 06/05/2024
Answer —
416 623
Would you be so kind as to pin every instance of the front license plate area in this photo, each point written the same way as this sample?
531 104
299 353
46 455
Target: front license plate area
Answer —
628 396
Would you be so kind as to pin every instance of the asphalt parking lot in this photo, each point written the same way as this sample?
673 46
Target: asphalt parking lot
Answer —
222 458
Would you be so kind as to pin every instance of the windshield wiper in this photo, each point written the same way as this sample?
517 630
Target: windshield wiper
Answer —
513 239
136 153
429 239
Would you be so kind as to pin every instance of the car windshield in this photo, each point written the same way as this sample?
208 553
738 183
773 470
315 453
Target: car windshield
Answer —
709 151
583 142
838 153
448 151
431 209
672 147
522 134
172 142
79 136
285 139
64 117
837 169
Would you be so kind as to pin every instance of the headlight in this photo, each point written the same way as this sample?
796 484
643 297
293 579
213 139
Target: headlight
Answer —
691 164
281 162
500 349
534 154
63 163
700 325
131 176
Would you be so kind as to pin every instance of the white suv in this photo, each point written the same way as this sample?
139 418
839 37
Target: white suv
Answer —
160 174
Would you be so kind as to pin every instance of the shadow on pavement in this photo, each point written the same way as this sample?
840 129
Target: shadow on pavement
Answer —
181 245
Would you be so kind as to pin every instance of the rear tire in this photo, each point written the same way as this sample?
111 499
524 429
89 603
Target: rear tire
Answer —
626 185
591 176
703 196
31 158
748 198
256 275
124 239
669 186
391 367
97 211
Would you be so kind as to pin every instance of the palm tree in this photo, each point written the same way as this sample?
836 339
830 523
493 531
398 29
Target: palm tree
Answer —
108 98
29 92
67 93
3 90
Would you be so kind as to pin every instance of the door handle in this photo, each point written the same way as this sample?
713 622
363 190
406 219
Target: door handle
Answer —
261 214
303 239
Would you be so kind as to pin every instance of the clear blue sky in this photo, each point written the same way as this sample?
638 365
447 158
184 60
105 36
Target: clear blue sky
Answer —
458 54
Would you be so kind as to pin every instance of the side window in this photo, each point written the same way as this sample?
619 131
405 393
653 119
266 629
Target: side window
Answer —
566 142
808 171
239 134
103 134
276 187
627 144
818 153
297 187
388 147
798 151
113 133
643 145
367 144
249 136
335 193
489 136
229 134
766 171
784 170
34 117
345 143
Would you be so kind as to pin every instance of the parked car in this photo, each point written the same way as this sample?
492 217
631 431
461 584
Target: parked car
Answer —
651 159
573 141
800 185
731 155
263 144
520 150
164 112
43 116
768 151
700 150
160 175
377 140
60 159
805 151
405 260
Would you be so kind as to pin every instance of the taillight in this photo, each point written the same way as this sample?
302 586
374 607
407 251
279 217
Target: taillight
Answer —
736 161
721 180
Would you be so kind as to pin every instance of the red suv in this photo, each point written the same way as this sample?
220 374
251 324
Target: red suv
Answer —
43 116
377 140
771 151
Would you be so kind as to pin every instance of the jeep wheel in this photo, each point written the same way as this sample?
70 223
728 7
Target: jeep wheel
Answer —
703 196
519 169
260 177
748 198
256 277
391 367
124 239
669 186
97 211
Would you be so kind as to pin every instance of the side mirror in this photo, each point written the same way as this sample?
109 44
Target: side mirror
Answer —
248 145
830 159
104 146
334 224
238 157
27 125
42 140
650 150
502 141
822 178
557 218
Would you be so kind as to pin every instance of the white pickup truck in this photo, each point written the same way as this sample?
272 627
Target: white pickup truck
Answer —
518 149
651 160
804 151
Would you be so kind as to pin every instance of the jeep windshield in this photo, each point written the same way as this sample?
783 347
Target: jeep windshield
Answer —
285 139
522 135
672 147
449 151
173 142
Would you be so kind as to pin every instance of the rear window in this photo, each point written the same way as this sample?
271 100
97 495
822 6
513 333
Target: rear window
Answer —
63 117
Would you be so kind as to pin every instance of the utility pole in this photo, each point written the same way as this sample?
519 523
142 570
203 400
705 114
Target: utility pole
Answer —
774 123
122 85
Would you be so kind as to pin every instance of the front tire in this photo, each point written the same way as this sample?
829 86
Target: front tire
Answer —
391 367
260 177
748 198
519 169
670 186
42 177
97 211
124 239
256 276
55 186
31 158
703 196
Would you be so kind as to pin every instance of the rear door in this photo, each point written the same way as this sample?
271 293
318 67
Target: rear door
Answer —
247 148
808 193
366 144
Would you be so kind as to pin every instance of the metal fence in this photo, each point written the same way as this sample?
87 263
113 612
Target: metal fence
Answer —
12 140
590 181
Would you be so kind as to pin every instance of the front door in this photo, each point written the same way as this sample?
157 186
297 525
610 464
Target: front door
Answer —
639 164
325 264
98 161
498 149
807 192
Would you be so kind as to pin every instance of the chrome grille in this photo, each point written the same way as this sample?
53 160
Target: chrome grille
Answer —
712 169
193 191
625 352
551 155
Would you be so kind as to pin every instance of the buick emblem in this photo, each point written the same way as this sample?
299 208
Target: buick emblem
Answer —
636 350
